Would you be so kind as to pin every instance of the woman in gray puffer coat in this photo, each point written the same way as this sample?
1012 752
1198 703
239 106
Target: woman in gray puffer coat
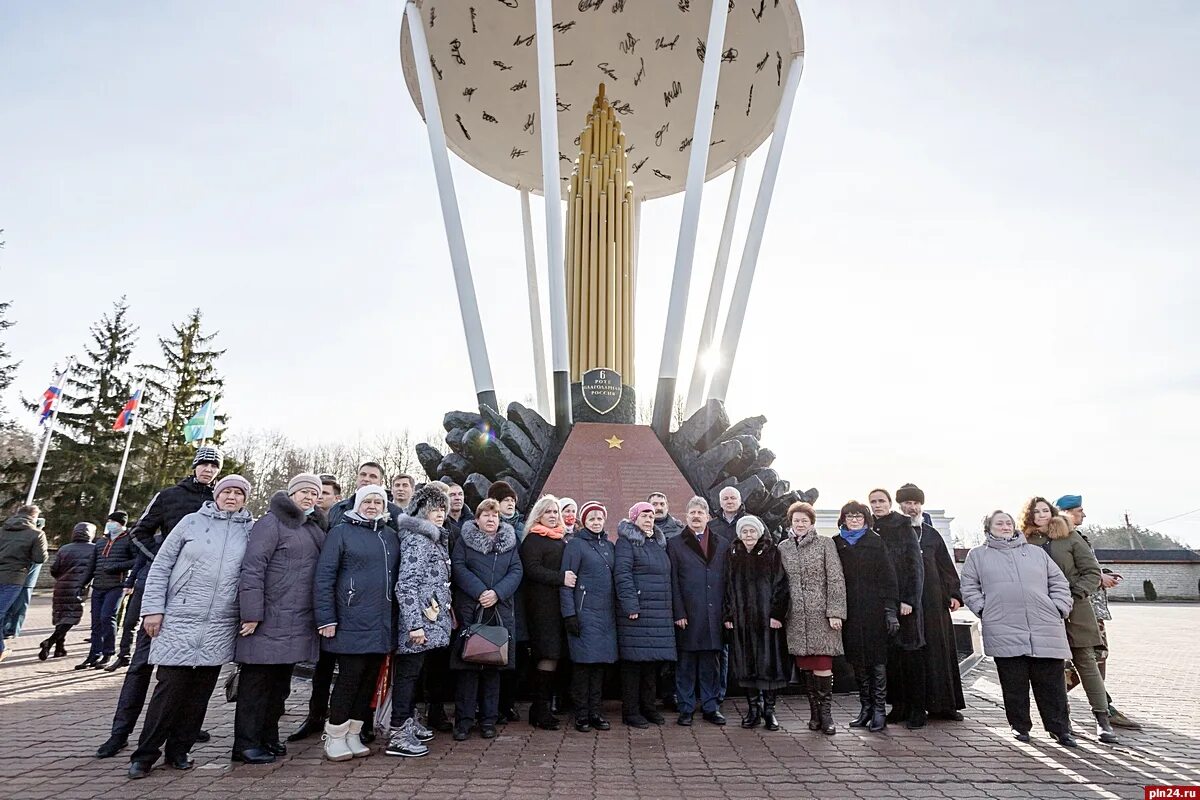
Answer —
278 629
1022 597
422 612
190 613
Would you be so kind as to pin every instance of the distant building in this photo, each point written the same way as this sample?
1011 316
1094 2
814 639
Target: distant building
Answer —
1174 573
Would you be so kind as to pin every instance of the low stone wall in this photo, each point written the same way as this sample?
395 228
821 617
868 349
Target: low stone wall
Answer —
1171 581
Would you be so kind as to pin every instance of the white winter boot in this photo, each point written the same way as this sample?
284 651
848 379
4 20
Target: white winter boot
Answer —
353 742
335 744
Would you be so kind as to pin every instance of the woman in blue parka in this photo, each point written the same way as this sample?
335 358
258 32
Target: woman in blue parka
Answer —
645 631
588 608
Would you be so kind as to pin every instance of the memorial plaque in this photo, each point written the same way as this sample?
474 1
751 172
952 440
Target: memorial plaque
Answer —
618 465
601 389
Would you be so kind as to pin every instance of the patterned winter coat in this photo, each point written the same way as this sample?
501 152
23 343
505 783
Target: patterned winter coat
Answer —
643 581
276 585
1021 597
72 569
354 586
756 591
193 583
818 593
1078 563
422 584
481 562
904 549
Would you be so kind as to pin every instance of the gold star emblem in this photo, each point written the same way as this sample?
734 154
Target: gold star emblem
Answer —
614 442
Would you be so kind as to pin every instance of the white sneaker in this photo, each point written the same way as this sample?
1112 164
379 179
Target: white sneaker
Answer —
422 733
334 742
404 742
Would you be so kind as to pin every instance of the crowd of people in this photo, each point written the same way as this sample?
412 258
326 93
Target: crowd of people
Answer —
397 595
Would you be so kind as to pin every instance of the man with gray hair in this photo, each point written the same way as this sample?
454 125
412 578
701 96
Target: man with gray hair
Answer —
731 510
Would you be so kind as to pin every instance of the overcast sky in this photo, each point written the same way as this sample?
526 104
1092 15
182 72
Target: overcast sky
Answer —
979 273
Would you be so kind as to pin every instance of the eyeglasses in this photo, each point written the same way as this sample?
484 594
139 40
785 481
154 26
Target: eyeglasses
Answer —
855 516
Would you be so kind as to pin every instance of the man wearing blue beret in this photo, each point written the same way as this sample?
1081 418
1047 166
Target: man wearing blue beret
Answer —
1071 505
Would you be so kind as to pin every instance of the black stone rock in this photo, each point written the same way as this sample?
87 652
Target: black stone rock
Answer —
751 426
475 489
519 442
537 429
779 505
754 495
479 451
429 458
766 457
769 477
709 468
700 431
492 419
779 488
744 461
454 440
810 496
454 467
461 419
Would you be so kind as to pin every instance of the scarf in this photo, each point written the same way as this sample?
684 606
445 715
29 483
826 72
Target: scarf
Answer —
852 537
549 533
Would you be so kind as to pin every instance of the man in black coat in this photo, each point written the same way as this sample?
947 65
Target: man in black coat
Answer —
906 653
699 558
165 511
115 556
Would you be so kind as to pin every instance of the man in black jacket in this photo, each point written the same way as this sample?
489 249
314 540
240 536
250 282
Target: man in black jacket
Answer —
115 556
165 511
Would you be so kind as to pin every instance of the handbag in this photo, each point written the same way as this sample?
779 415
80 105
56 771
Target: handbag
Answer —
484 644
231 685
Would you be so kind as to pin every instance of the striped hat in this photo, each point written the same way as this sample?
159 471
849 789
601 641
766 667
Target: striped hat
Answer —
589 507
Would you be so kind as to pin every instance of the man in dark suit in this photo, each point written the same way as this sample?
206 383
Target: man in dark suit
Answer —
698 563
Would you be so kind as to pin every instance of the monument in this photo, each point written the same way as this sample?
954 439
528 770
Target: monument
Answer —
664 96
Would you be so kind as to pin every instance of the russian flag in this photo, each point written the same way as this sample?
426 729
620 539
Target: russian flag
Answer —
126 416
49 401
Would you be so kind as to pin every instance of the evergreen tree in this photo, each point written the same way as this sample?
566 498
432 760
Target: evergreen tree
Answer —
81 465
175 390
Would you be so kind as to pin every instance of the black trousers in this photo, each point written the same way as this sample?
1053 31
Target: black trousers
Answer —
351 698
176 713
60 634
130 622
135 687
322 680
262 691
477 688
437 679
587 689
639 686
1045 675
406 668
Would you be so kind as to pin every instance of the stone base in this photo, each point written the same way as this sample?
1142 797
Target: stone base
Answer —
624 414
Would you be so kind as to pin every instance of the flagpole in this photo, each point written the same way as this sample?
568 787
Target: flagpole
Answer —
124 457
37 472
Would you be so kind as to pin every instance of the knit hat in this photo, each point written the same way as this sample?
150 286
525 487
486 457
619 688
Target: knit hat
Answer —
305 480
208 455
428 498
589 507
637 508
1069 501
366 491
116 516
753 522
232 482
563 502
909 491
501 491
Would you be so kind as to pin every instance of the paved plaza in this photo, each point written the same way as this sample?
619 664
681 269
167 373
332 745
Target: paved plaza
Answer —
52 718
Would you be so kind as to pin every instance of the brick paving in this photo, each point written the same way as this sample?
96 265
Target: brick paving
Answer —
52 718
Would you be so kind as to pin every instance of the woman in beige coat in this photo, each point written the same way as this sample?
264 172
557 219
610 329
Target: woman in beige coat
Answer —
818 608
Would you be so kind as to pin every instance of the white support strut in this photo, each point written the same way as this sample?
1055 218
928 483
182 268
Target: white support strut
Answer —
695 395
481 369
668 370
551 195
758 223
535 309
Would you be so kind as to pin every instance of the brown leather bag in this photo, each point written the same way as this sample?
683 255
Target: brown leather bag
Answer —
485 644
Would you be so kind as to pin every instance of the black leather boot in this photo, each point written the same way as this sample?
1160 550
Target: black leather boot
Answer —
310 727
810 689
824 691
879 698
540 715
772 722
754 715
862 677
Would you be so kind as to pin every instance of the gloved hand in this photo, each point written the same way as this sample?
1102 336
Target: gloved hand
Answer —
573 627
893 622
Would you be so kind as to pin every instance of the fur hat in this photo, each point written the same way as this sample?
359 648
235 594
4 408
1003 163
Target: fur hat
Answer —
208 455
589 507
118 516
637 508
232 482
909 491
501 491
428 498
751 521
1069 501
305 480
